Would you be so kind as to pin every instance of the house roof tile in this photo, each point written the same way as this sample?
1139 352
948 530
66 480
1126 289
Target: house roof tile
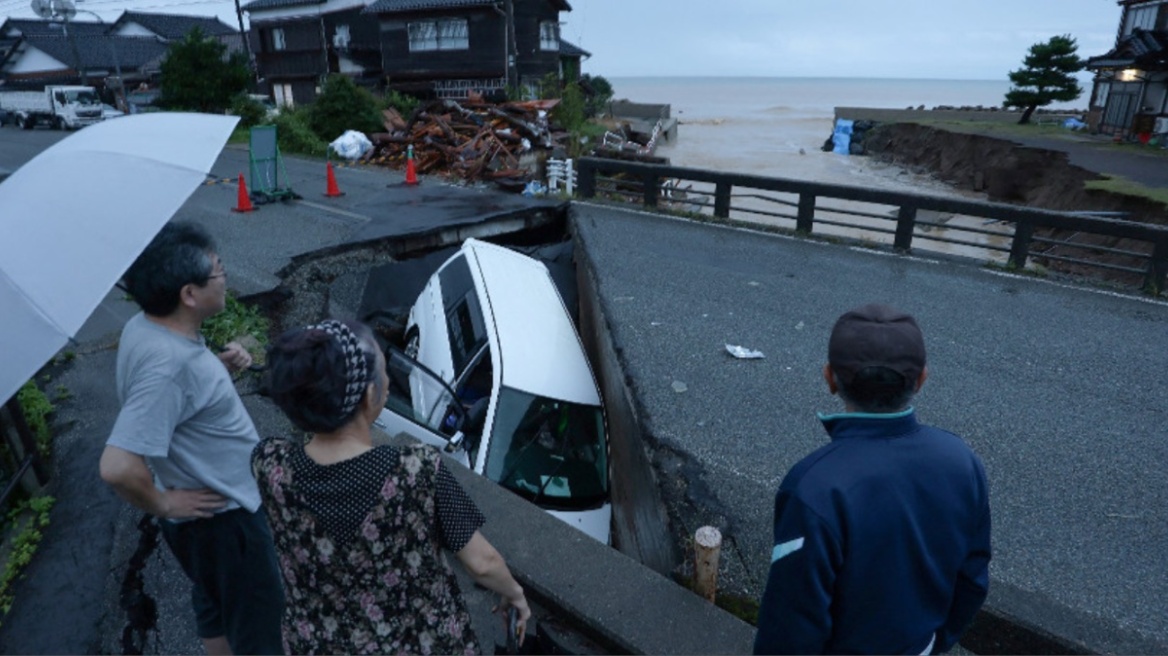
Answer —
99 52
175 26
572 50
1140 48
400 6
260 5
43 27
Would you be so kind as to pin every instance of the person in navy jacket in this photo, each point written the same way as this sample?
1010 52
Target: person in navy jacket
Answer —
881 537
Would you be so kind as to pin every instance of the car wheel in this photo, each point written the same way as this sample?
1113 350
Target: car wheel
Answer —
412 342
58 123
28 123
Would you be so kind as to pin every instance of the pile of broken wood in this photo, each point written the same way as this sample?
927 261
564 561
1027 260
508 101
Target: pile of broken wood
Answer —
473 140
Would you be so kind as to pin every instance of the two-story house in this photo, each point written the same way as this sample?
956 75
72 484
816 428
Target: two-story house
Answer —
1131 81
450 46
298 42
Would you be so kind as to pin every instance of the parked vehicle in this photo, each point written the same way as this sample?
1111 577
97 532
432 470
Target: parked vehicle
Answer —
495 373
61 107
109 111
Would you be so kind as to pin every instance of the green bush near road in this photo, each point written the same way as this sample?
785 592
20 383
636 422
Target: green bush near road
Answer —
294 135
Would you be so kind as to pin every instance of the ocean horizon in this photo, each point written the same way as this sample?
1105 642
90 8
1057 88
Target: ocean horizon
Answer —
776 126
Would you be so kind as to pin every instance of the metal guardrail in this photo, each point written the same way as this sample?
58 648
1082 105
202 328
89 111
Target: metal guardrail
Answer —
644 183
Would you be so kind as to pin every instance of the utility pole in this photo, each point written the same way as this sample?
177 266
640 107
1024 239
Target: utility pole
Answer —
243 38
512 50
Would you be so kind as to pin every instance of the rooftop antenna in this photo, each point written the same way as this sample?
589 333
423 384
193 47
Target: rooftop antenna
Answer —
65 10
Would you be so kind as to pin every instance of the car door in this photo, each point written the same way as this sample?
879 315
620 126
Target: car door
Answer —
420 405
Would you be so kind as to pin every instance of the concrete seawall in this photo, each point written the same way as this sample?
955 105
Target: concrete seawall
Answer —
907 115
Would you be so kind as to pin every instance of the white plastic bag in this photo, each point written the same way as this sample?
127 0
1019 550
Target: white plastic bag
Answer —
351 145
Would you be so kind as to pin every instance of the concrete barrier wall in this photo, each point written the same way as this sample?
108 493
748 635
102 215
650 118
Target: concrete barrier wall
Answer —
640 522
905 115
608 596
648 111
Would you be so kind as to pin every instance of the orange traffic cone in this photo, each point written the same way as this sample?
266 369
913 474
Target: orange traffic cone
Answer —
243 204
411 171
332 190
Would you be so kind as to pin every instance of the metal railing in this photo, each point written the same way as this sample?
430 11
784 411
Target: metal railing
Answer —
1009 233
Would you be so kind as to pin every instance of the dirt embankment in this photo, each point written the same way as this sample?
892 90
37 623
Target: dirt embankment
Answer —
1010 173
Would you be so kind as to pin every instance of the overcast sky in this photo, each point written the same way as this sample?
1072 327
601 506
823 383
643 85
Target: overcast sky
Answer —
946 39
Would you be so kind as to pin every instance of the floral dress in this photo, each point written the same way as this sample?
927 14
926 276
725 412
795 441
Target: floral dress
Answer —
359 544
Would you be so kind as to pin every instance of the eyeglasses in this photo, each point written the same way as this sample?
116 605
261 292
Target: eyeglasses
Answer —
222 273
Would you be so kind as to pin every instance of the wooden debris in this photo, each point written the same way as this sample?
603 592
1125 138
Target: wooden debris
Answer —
473 140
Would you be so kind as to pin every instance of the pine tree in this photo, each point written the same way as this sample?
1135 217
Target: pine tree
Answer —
197 75
1047 75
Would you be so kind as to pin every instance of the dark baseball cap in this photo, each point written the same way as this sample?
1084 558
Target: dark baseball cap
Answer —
876 336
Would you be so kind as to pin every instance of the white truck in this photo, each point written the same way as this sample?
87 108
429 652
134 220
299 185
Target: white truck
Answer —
61 107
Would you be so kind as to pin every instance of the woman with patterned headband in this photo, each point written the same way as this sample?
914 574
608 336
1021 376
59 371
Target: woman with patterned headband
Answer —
360 529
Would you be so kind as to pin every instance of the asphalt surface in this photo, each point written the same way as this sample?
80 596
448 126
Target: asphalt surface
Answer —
1141 164
1059 390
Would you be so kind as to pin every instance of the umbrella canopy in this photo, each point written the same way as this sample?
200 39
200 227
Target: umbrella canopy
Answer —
63 245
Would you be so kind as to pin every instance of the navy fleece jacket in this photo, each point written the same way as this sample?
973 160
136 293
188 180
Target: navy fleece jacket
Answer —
882 542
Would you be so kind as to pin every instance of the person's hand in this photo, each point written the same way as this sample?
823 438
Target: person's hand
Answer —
191 504
235 357
520 605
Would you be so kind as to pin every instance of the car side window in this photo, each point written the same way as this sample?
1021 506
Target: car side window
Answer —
464 317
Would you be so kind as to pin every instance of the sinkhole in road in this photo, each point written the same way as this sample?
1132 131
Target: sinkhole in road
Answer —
379 281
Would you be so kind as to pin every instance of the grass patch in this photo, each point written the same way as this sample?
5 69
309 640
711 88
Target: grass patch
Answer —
1120 185
235 321
37 408
25 524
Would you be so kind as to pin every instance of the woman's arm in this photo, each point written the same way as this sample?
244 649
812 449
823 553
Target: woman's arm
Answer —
487 568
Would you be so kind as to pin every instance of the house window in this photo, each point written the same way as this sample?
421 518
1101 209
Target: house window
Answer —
283 93
1101 92
341 37
451 34
549 37
278 39
1142 18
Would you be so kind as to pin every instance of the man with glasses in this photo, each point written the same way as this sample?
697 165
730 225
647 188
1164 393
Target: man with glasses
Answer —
181 446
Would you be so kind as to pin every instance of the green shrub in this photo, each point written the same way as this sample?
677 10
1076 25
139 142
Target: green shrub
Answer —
236 320
404 103
250 111
342 105
294 136
569 113
24 544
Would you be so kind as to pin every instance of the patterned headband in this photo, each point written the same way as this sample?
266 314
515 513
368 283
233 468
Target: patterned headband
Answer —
356 373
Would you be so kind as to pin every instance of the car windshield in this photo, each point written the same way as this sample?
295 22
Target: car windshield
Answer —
549 451
82 97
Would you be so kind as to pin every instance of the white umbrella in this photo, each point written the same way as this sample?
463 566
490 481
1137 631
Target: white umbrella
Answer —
74 217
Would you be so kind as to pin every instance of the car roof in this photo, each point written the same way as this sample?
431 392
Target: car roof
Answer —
539 348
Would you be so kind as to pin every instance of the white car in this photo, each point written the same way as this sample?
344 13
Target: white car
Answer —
109 111
495 373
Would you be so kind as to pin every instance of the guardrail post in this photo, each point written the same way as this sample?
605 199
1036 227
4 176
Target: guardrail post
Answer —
806 216
651 181
1020 249
587 179
722 200
905 219
1157 269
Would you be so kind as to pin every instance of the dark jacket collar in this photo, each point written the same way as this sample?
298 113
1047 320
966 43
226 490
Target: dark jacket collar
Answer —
862 424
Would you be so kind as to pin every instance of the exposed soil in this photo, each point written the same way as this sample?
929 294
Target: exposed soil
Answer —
1010 173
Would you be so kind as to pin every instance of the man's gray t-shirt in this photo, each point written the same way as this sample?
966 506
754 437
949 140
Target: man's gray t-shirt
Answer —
180 411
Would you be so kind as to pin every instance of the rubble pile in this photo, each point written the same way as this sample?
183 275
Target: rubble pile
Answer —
473 140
